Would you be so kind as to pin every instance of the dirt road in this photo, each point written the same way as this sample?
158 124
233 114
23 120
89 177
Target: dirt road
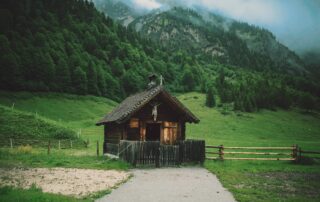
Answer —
170 185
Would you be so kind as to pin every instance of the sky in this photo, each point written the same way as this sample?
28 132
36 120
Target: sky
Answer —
295 23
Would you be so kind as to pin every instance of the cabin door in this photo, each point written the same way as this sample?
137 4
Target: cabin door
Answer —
153 132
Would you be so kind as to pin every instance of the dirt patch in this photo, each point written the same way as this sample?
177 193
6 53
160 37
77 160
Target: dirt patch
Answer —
66 181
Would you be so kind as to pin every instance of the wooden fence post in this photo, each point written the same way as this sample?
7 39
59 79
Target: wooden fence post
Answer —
49 145
295 152
300 154
71 144
59 145
157 157
11 144
87 144
98 148
221 152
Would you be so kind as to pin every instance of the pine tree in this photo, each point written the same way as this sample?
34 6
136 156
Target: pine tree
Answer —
79 81
92 80
210 99
188 80
101 82
63 78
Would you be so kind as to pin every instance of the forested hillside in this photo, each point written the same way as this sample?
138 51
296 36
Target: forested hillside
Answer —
209 36
69 46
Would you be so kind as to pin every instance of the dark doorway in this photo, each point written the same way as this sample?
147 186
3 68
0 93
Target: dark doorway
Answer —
153 132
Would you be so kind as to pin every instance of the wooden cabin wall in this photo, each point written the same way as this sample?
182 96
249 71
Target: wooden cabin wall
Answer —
113 133
172 126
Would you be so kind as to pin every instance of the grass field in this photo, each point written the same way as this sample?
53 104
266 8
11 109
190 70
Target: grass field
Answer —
247 180
260 180
79 113
8 194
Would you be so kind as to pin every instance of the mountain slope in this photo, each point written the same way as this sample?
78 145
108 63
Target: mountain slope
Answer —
71 47
228 41
117 10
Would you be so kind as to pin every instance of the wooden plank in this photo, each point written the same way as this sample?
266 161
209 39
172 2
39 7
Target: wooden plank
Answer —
212 153
257 148
310 152
257 153
216 147
261 148
261 159
258 159
212 158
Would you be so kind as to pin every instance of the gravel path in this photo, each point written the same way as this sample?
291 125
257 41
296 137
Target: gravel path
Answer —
170 184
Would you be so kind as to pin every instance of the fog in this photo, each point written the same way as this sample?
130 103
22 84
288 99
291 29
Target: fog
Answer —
295 23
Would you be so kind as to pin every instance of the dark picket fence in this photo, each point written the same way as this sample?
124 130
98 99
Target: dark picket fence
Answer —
111 148
192 151
154 153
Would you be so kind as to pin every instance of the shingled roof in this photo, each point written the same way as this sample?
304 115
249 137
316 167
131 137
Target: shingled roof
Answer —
135 102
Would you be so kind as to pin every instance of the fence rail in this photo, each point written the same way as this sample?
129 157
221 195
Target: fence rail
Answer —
271 156
54 143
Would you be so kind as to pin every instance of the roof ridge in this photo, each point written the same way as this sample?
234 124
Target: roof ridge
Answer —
135 102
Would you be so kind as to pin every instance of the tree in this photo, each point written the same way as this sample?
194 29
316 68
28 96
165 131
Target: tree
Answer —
307 102
63 78
92 80
101 82
10 73
210 99
117 67
188 80
79 81
132 82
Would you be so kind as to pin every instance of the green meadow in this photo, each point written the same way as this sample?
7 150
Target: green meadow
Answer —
247 180
260 180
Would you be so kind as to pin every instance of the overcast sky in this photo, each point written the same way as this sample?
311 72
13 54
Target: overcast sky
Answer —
296 23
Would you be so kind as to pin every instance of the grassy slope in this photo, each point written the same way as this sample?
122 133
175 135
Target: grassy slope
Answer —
249 181
29 128
72 111
264 128
260 180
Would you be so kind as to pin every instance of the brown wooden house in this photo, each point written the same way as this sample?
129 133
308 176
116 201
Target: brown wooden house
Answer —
151 115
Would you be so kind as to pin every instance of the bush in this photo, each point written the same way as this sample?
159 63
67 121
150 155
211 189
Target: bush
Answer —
63 134
25 149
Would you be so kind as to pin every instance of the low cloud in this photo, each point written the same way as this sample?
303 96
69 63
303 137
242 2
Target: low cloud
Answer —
147 4
294 22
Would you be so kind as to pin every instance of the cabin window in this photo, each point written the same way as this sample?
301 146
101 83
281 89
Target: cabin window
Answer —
134 123
170 132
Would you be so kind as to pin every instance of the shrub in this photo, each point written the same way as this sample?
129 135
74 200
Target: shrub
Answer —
24 149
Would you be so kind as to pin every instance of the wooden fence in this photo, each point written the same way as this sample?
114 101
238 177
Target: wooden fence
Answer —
154 153
43 143
277 154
